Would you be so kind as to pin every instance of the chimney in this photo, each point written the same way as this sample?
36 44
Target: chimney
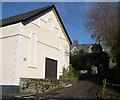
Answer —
75 42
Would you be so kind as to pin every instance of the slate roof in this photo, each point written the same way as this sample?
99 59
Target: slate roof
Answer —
24 16
81 46
86 46
27 17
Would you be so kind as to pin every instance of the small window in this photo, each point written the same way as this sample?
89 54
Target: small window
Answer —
32 50
50 23
49 20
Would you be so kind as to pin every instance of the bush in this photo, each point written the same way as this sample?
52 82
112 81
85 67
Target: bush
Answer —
70 74
108 94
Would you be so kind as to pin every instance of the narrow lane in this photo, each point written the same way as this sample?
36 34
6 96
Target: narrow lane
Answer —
84 89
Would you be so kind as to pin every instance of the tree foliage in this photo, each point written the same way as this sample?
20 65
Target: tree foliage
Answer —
96 48
103 24
97 58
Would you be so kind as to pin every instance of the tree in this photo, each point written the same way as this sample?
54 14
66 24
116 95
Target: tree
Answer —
103 22
78 61
85 61
96 48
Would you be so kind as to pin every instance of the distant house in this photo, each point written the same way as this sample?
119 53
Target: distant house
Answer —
76 48
106 48
34 44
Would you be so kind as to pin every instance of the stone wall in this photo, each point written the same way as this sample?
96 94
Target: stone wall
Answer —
34 86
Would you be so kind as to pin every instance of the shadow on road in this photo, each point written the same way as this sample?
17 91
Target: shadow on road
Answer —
96 79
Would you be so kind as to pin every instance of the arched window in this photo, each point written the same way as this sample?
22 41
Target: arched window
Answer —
49 20
50 23
66 54
0 34
32 50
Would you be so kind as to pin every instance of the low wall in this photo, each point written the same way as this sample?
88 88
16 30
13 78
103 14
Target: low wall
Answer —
34 86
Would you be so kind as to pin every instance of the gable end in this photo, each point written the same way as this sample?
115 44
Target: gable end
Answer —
26 18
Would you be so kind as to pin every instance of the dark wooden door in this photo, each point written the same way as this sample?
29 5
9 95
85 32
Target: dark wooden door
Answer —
51 68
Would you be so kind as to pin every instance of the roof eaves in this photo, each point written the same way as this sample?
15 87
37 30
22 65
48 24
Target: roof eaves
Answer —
24 16
62 24
27 17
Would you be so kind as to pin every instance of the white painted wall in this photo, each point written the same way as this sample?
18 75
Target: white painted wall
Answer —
0 59
10 54
49 41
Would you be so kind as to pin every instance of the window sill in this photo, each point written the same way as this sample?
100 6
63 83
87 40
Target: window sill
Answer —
32 67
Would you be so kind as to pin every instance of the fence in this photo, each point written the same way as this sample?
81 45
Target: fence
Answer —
111 89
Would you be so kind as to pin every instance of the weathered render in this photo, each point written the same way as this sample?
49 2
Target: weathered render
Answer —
25 45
